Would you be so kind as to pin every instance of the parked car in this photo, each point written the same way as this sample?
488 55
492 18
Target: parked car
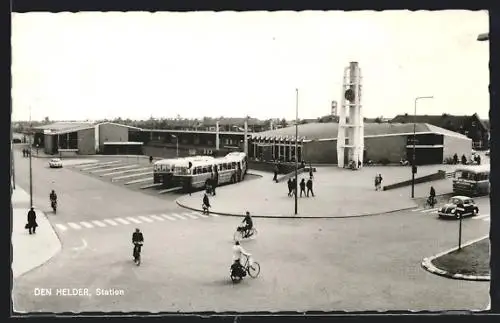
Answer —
458 206
55 163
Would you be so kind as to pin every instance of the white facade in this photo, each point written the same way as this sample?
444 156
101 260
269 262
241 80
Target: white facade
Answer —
350 138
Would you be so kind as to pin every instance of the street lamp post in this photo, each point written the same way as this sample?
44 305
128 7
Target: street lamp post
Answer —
296 139
176 144
413 166
31 168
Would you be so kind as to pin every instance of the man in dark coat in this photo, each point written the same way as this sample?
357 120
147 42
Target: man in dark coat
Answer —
302 187
294 186
464 160
32 221
455 159
310 187
150 159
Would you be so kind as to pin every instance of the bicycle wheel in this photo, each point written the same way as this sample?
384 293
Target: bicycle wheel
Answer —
254 270
238 235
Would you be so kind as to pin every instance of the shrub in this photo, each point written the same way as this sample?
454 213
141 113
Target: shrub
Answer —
384 161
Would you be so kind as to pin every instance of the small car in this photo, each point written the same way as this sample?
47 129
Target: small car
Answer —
55 163
458 206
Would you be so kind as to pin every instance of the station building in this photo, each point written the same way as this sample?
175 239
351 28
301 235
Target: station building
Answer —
88 138
383 143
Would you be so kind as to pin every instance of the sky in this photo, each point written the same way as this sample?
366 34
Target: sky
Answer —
93 65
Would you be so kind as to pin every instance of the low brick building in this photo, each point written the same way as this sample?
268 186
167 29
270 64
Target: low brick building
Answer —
384 143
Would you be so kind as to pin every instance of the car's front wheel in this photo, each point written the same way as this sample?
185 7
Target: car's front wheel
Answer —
475 212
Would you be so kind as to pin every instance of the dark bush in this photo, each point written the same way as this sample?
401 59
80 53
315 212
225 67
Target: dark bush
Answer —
385 161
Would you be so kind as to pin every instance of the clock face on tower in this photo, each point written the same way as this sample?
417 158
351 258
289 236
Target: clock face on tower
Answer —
349 95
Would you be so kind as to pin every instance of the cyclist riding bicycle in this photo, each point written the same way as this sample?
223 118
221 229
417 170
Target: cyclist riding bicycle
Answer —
248 225
137 240
432 197
237 267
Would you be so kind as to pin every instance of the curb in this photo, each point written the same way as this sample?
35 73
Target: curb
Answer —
294 216
427 265
59 248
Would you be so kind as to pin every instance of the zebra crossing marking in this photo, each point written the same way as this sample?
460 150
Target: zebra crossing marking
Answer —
113 223
190 215
145 218
156 217
99 223
86 224
179 216
168 217
122 221
74 226
61 227
131 219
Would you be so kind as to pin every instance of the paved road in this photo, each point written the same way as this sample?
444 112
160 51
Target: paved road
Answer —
370 263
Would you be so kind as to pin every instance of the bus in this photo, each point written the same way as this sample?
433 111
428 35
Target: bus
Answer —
472 180
163 169
193 175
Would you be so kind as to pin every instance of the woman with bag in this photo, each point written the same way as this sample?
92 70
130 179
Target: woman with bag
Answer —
31 225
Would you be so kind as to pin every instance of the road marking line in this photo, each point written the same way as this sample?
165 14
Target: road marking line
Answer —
99 223
480 217
145 218
74 226
190 215
141 180
82 247
122 221
113 223
214 215
168 217
430 210
179 216
201 214
61 227
133 220
87 225
416 210
156 217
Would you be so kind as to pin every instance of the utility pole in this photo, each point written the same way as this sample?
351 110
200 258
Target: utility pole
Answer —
296 139
31 168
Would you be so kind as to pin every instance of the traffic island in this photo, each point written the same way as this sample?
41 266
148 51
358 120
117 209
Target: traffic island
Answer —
338 193
471 262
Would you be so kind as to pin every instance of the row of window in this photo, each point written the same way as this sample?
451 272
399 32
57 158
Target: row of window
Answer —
473 176
210 168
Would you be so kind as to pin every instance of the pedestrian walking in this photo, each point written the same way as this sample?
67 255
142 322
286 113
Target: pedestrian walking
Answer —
275 178
150 159
478 160
31 225
376 182
24 152
310 187
215 181
294 186
379 182
302 187
464 160
206 204
455 159
290 187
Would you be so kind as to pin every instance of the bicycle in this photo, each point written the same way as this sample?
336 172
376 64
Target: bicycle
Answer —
253 271
430 202
241 234
137 253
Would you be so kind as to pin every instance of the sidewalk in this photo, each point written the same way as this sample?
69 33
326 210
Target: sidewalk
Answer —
30 251
340 193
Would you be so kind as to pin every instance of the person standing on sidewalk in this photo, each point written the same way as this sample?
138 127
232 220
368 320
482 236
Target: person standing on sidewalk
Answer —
302 187
275 178
376 183
310 187
379 182
290 187
31 226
